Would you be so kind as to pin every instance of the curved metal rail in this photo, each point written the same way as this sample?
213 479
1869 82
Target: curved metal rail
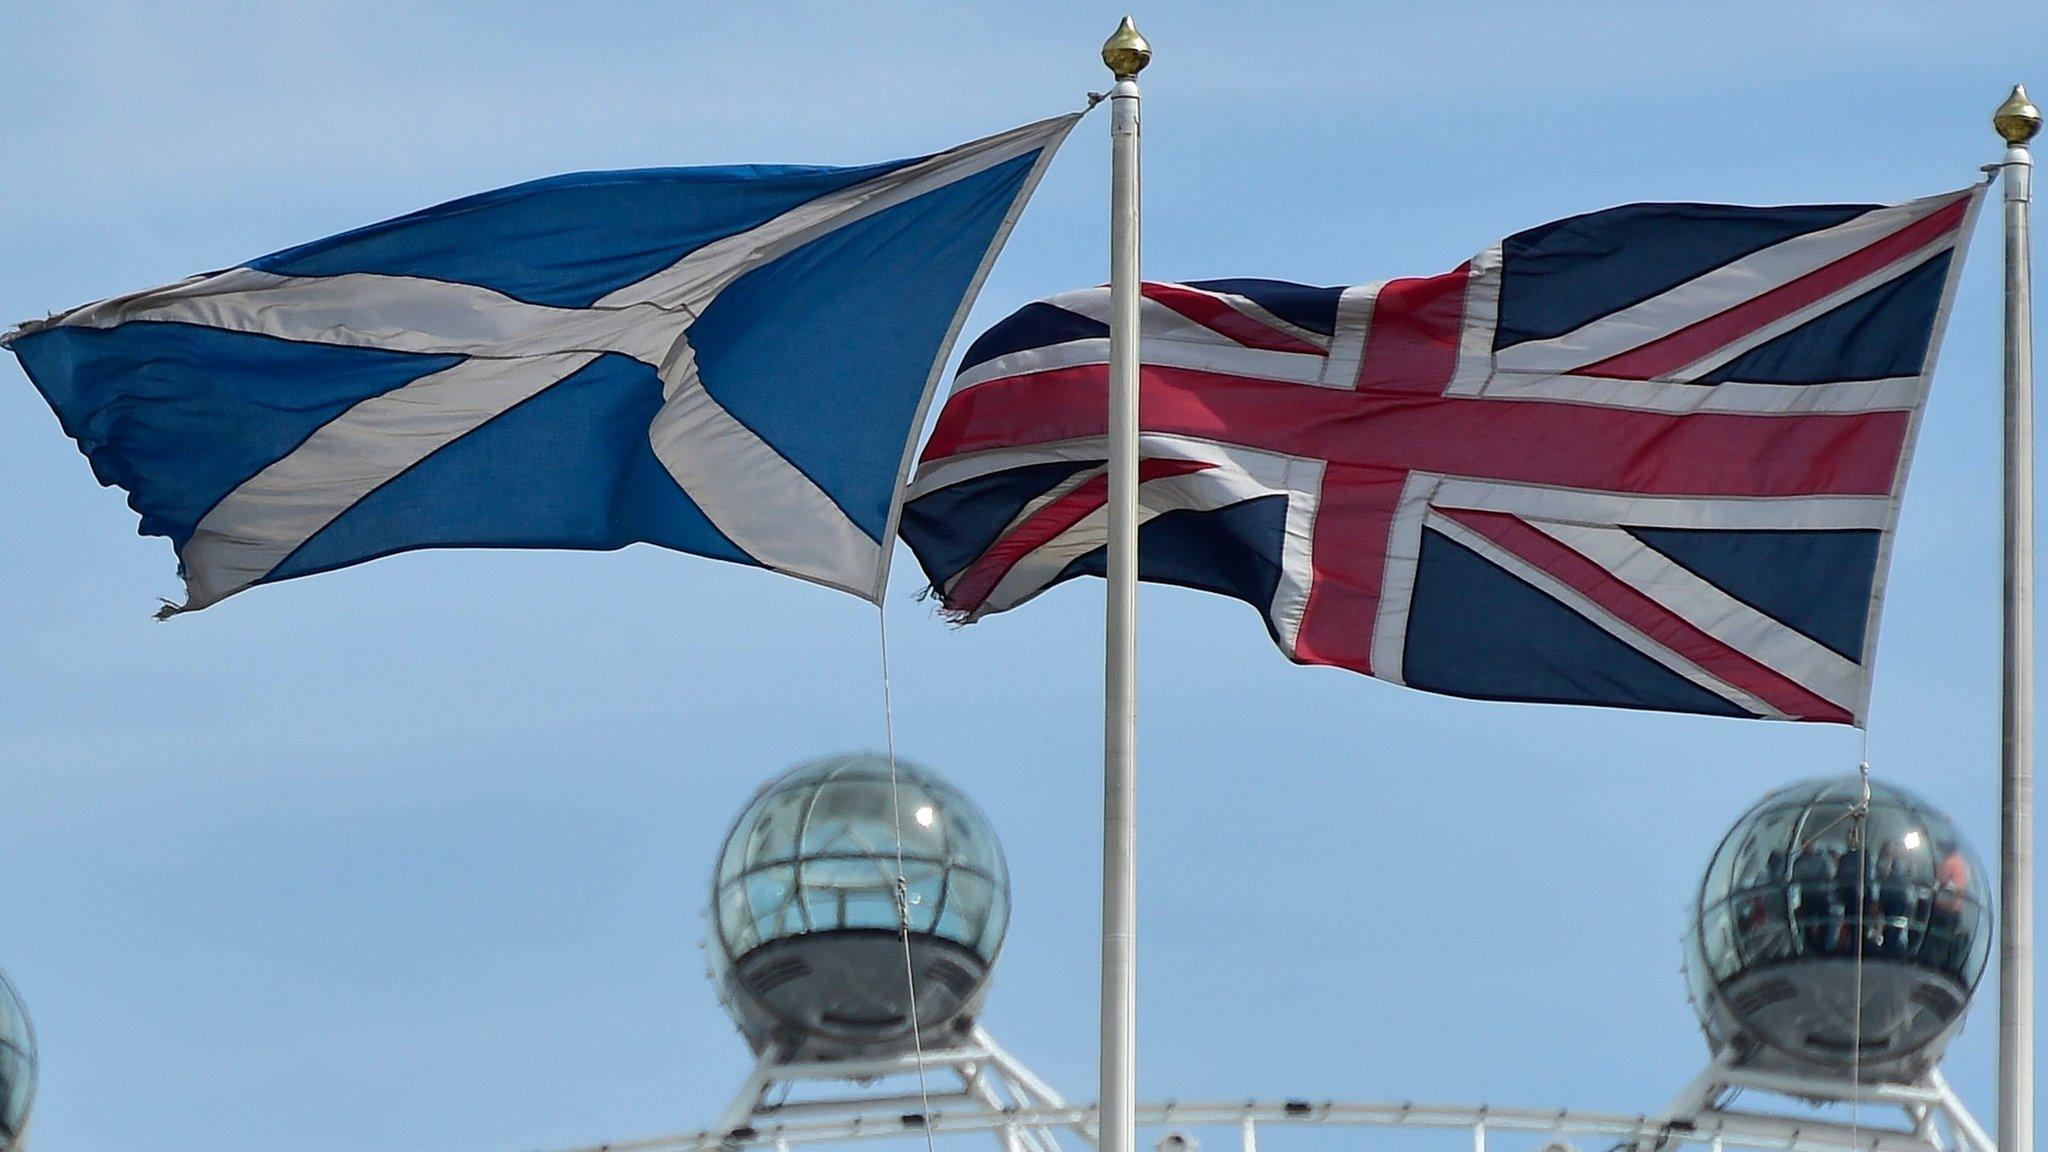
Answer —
997 1095
1570 1129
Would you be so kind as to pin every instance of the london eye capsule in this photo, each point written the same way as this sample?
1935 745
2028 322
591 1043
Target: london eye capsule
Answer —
17 1067
1805 905
808 944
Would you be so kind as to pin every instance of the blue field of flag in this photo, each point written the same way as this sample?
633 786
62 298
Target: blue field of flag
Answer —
731 362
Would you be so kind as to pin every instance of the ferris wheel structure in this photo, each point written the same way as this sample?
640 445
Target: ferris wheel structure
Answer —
859 904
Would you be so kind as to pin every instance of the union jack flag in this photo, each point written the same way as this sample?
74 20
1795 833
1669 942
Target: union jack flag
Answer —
1649 457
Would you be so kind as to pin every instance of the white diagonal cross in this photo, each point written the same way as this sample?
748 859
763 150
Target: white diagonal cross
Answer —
517 350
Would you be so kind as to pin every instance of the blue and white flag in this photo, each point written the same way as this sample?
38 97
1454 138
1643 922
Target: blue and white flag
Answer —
732 362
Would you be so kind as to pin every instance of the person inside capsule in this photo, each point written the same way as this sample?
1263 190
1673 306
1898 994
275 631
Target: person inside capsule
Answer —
1815 878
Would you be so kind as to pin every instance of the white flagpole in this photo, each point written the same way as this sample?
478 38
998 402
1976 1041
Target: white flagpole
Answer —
2017 120
1126 53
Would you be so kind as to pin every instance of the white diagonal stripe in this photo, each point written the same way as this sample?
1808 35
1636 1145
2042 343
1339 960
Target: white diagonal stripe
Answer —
642 319
1595 614
399 313
269 516
1787 652
933 475
1161 323
694 280
1714 292
1766 333
1029 576
639 320
1031 508
1198 491
741 483
1254 310
751 492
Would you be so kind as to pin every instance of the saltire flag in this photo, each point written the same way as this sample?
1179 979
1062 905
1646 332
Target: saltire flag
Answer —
729 361
1649 457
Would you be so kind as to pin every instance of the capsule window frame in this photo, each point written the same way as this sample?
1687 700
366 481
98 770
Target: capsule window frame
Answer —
979 862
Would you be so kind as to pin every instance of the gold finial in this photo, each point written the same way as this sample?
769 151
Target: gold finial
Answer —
1126 52
2017 119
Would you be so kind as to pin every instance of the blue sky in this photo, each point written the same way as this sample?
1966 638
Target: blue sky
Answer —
414 854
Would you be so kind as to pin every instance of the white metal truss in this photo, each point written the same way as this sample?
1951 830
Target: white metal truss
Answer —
988 1082
1934 1118
988 1091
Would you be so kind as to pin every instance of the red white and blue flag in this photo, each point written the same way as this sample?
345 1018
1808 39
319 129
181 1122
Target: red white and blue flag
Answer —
1649 457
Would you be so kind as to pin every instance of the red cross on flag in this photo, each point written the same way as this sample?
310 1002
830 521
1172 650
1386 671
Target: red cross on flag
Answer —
1649 457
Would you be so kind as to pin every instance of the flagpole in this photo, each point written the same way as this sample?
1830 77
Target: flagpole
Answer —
1126 54
2017 120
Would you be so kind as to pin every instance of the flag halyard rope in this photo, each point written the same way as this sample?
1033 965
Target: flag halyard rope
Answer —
1859 841
902 881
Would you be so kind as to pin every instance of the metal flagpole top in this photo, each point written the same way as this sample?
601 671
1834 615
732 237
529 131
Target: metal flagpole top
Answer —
2017 119
1126 52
